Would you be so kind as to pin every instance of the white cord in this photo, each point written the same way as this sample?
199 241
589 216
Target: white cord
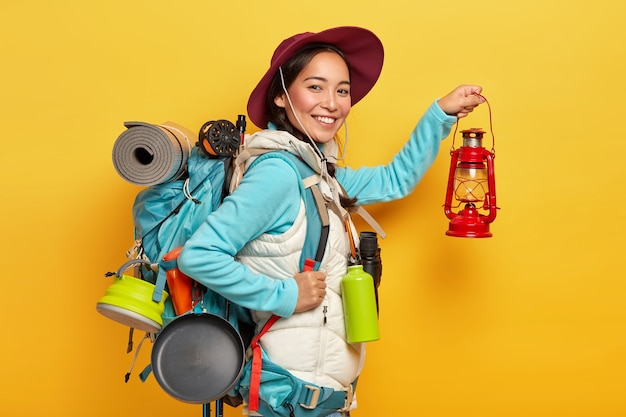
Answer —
322 157
187 193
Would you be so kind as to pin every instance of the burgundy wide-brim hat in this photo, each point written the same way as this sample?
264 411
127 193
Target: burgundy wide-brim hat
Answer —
362 49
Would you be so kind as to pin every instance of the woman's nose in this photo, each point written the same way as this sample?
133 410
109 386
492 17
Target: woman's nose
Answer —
330 101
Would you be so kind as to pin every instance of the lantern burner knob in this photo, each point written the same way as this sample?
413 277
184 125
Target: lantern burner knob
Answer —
474 132
473 137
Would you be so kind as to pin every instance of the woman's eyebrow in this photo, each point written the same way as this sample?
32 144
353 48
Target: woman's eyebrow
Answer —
320 78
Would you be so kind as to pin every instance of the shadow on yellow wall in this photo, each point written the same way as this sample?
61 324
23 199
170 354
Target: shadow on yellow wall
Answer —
529 322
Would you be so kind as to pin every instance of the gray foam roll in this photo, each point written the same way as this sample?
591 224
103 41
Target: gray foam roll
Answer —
147 154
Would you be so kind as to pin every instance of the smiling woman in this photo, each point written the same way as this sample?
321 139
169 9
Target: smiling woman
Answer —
529 323
302 101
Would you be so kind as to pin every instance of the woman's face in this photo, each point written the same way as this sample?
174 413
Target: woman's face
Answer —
320 95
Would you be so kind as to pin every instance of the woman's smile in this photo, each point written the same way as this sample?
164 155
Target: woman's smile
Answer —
319 98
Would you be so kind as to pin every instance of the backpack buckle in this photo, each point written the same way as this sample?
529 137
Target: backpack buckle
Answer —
313 397
349 398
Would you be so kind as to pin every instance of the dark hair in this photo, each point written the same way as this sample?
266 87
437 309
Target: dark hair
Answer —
290 70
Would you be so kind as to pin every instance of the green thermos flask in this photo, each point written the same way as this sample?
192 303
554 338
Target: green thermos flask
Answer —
359 305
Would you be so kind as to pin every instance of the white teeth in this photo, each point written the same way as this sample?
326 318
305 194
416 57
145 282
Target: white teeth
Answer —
325 119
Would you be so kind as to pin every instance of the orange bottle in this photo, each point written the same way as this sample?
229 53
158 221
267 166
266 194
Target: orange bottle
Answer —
179 284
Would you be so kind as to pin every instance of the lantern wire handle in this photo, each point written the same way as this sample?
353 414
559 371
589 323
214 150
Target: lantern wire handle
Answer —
493 137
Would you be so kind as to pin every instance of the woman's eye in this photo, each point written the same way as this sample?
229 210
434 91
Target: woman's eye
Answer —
315 87
343 92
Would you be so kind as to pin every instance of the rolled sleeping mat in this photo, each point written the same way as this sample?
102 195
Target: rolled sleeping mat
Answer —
147 154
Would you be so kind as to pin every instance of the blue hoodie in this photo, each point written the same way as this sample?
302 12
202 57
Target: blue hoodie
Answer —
267 201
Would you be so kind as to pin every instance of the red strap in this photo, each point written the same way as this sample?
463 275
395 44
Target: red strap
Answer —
309 264
257 362
257 355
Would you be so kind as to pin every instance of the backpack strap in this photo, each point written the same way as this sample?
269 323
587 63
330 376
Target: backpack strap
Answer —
239 165
318 227
318 220
257 353
360 210
257 365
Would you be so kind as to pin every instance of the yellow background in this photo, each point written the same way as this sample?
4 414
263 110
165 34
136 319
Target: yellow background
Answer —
531 322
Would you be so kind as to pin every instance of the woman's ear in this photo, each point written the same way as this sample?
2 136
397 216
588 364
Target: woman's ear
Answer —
280 100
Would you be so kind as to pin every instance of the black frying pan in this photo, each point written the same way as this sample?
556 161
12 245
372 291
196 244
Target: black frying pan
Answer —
198 358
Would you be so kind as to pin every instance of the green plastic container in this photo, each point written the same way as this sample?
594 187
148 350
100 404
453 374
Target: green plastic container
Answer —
129 301
359 306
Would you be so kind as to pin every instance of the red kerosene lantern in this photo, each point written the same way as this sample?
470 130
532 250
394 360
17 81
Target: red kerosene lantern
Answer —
472 183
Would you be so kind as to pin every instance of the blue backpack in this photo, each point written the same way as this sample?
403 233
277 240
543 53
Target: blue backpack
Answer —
166 215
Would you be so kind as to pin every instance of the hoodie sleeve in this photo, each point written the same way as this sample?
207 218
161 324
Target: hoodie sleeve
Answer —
400 177
266 201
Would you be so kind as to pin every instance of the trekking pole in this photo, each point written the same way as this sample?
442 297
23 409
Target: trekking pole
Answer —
241 127
219 409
